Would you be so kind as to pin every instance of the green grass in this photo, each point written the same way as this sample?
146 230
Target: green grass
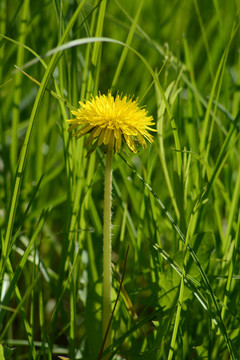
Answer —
176 205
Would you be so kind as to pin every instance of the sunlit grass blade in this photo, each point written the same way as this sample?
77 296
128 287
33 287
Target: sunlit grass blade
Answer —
171 94
18 80
125 50
205 140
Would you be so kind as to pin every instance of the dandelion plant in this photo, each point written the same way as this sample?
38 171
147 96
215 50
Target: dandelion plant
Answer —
111 121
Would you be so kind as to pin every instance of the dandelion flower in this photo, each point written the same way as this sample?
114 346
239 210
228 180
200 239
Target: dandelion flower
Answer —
110 121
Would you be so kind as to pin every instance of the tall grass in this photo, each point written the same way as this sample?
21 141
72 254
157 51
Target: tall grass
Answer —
175 205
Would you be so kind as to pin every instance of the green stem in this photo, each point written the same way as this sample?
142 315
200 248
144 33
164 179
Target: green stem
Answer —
107 249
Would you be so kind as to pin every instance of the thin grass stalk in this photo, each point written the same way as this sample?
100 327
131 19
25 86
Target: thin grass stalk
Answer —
161 110
96 53
86 74
232 212
211 128
66 285
205 40
18 88
231 268
128 42
173 344
205 133
189 64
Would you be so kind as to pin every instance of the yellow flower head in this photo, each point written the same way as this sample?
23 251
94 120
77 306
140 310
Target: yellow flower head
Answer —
112 120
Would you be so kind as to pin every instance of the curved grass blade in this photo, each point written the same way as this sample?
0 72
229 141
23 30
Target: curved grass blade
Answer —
89 40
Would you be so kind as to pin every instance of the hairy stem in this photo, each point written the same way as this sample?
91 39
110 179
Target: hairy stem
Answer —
107 249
